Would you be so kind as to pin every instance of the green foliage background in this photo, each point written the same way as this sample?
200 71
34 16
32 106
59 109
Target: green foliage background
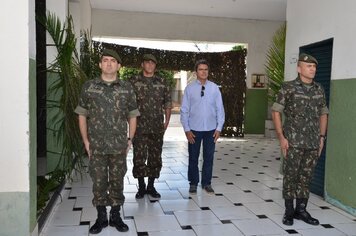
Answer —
126 73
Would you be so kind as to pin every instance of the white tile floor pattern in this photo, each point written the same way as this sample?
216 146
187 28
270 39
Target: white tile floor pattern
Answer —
247 198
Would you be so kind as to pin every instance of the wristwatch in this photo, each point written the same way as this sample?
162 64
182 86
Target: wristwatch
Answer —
323 136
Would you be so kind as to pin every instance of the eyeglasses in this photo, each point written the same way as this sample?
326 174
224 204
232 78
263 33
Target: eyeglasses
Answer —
202 91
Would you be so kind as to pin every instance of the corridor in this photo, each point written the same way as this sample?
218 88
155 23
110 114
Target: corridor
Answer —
247 200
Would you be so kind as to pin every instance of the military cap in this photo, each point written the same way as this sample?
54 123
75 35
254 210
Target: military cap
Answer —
148 57
112 53
307 58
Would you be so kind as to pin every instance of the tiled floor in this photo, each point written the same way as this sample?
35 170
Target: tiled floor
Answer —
248 198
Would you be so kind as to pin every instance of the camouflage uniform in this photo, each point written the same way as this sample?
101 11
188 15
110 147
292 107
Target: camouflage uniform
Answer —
302 106
153 96
107 107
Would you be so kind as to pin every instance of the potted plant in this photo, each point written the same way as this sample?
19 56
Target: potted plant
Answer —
66 77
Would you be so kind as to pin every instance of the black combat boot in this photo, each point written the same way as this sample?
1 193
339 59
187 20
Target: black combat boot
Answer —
151 189
301 213
141 188
289 212
116 221
101 222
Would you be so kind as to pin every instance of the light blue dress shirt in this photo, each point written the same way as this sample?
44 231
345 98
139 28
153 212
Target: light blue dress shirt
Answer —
202 113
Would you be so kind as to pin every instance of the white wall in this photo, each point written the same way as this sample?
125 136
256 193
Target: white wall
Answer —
317 20
85 15
14 96
60 9
257 34
75 12
32 29
81 13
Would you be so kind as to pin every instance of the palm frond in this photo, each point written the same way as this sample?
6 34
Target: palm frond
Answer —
64 91
274 66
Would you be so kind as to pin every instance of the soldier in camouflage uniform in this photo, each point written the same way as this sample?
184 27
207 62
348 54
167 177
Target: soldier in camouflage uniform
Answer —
153 96
302 138
105 107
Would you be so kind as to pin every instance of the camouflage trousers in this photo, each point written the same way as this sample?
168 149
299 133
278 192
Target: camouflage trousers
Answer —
107 172
147 159
298 169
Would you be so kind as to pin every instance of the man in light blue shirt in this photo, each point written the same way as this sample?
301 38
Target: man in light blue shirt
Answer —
202 116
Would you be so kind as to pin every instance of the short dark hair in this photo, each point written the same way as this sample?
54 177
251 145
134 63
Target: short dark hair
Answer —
200 62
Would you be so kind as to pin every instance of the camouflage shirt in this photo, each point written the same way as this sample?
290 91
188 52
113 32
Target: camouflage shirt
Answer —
153 96
107 108
302 106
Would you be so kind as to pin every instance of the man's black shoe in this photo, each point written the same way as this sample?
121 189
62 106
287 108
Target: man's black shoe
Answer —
141 188
98 226
101 222
141 193
289 212
306 217
118 224
153 192
116 221
287 219
302 214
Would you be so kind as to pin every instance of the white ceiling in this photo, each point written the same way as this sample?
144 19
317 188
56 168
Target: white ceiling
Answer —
274 10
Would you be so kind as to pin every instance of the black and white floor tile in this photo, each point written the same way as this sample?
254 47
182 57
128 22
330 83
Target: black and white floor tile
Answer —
247 198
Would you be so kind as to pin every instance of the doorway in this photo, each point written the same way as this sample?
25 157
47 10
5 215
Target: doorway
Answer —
322 51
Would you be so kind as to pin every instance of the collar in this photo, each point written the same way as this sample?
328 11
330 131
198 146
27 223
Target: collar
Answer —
300 82
101 81
200 84
142 77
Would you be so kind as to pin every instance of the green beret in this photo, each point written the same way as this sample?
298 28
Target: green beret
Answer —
111 53
149 57
307 58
